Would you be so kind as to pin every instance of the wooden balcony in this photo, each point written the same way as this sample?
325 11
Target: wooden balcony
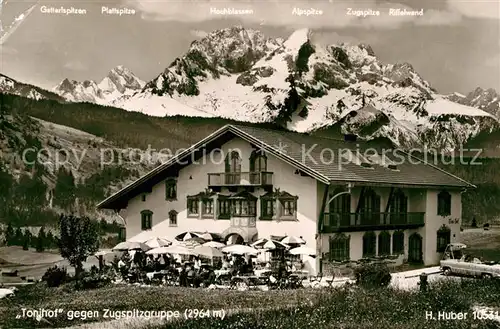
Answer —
354 222
262 178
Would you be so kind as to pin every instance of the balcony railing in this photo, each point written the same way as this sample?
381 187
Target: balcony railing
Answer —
350 222
240 179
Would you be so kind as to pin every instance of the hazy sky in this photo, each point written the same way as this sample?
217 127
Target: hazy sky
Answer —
455 45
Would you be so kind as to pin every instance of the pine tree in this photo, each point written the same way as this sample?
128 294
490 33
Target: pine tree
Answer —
6 183
51 242
65 189
41 240
18 237
27 239
10 235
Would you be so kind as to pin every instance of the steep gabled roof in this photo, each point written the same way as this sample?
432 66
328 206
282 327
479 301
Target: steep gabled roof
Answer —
309 150
312 155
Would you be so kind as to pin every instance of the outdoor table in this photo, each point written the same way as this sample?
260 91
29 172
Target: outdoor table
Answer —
262 271
221 272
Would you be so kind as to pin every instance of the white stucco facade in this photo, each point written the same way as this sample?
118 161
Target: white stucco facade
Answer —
419 200
193 179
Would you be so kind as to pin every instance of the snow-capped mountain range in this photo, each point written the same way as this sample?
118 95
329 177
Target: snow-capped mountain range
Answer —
487 100
11 86
240 74
120 81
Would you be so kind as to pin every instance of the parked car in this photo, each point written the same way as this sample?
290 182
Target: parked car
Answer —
456 262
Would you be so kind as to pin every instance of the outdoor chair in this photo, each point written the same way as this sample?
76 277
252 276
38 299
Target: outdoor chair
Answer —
295 281
329 280
315 280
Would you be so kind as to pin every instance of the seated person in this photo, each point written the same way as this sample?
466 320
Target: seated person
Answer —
225 263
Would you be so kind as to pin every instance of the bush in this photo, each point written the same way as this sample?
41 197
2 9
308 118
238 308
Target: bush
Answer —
372 275
93 280
55 276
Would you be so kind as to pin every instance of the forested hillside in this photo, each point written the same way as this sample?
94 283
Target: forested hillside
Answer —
34 189
35 195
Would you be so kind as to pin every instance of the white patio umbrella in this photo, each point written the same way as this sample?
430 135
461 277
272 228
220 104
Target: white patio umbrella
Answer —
303 250
103 252
157 242
131 245
240 249
272 245
174 249
207 251
189 244
188 235
293 240
214 244
259 243
210 236
269 244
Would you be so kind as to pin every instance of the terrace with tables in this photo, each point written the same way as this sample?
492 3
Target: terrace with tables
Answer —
201 260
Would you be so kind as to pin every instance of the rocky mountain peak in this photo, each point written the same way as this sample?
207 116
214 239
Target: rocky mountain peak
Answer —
368 49
67 85
118 82
297 39
241 74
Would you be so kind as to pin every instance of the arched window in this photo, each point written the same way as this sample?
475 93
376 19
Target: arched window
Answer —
370 208
384 243
339 209
339 247
172 218
398 242
444 203
369 244
443 238
258 165
233 168
233 162
258 161
399 207
146 219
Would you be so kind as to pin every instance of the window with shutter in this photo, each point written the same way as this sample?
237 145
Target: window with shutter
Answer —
443 238
444 203
398 242
146 219
369 244
339 247
384 243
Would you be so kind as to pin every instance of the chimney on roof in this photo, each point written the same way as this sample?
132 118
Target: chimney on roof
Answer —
350 137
